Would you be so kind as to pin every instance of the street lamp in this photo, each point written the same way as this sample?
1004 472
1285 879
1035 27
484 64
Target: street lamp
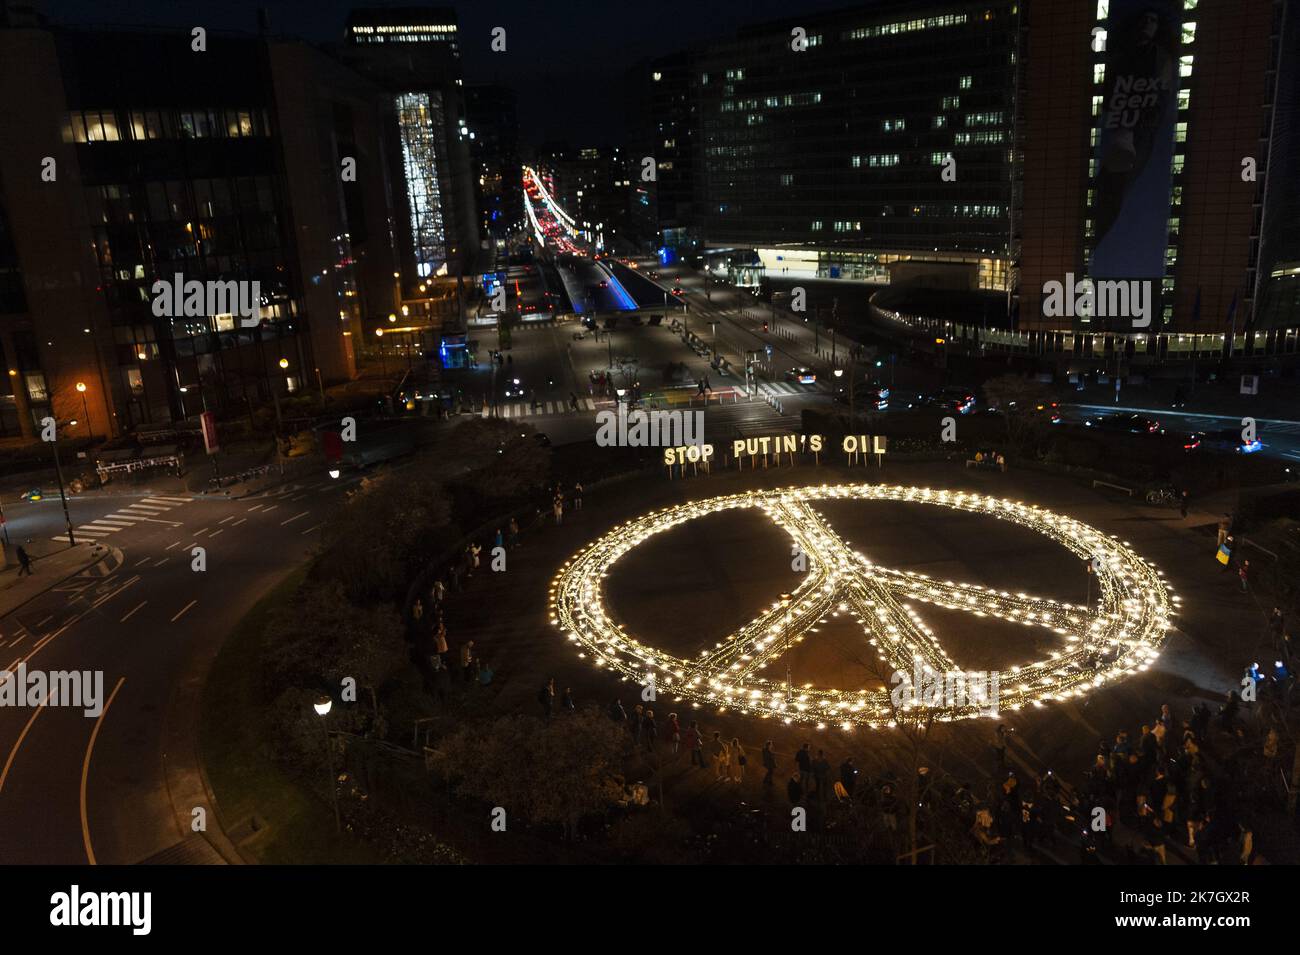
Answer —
322 707
383 364
81 387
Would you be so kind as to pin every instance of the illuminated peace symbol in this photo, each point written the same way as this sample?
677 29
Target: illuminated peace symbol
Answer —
1121 634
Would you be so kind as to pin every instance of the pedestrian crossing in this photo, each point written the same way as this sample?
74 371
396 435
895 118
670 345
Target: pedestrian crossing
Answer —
523 409
147 509
779 388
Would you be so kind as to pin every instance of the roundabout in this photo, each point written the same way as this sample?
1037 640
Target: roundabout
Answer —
1121 633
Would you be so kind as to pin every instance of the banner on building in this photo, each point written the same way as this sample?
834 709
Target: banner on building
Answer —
1136 123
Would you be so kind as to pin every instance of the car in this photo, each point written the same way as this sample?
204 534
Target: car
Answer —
654 274
1230 441
866 396
960 400
1128 423
604 283
802 375
514 389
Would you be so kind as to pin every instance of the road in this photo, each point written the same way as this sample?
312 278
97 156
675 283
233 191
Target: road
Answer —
77 789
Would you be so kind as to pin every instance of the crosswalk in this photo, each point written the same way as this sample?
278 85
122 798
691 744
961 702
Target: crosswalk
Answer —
523 409
779 388
147 509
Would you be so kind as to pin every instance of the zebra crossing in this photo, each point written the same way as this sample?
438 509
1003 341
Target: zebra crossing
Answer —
522 409
147 509
780 388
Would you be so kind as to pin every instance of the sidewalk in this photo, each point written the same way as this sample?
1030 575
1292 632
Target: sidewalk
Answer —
51 565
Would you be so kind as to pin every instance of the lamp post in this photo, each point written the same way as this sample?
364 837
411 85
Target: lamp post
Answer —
81 387
322 707
58 470
383 364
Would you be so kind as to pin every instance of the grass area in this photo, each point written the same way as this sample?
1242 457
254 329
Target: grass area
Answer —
297 828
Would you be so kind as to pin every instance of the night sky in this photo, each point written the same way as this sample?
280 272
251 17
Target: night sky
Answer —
578 50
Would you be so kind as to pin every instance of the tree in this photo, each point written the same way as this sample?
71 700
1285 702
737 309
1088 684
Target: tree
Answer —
384 534
547 772
1022 402
319 639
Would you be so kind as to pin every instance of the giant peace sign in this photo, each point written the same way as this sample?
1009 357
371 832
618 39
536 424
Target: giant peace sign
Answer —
1121 634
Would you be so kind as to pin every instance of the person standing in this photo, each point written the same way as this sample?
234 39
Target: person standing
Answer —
514 533
617 713
674 732
638 714
474 551
546 697
1183 500
466 660
24 561
769 763
1244 574
500 539
794 789
558 508
577 496
649 730
719 755
695 744
567 701
848 776
738 760
822 773
804 759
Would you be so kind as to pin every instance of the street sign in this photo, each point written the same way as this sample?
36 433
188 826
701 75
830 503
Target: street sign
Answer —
209 423
769 350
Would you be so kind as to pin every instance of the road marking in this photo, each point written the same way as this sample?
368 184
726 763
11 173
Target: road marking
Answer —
256 507
183 610
132 613
19 742
115 523
238 522
110 596
294 518
134 508
18 641
197 533
161 501
270 509
170 546
92 533
216 532
298 498
224 519
160 561
85 770
45 621
143 560
170 500
310 529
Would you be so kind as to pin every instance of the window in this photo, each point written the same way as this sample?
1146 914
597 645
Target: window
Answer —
952 102
893 125
1185 65
966 82
939 122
